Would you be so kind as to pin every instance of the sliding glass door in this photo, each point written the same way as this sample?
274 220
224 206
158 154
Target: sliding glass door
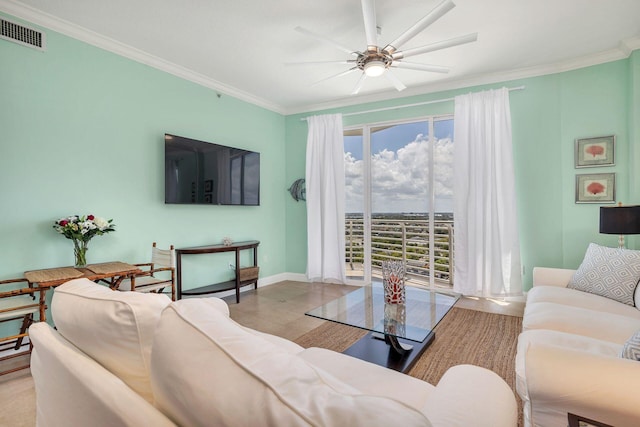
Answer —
398 178
356 198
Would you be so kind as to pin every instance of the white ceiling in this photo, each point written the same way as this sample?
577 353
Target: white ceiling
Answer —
240 47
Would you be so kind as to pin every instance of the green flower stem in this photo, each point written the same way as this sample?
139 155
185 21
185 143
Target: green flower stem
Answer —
80 249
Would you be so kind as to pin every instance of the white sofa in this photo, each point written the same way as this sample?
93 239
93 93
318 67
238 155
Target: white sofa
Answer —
568 358
133 359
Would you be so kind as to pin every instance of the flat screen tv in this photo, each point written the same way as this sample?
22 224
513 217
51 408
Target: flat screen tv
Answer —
198 172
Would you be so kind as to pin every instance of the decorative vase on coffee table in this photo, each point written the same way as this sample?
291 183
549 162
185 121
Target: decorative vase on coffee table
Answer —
393 273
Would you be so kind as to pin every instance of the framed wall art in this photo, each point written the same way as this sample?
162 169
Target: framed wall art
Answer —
596 188
594 152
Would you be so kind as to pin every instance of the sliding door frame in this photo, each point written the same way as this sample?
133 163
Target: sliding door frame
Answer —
367 178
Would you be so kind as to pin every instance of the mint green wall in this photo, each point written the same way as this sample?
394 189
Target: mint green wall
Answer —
82 131
593 102
547 116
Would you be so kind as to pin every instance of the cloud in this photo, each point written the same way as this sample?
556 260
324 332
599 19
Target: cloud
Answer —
400 179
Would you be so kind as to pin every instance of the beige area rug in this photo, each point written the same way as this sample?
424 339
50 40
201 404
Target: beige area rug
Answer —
462 337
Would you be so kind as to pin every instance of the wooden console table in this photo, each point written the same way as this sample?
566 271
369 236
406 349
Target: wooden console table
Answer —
48 278
244 276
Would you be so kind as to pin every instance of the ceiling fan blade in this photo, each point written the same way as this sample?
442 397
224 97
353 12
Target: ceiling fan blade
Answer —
295 64
395 81
358 85
420 67
326 40
370 27
343 73
429 19
436 46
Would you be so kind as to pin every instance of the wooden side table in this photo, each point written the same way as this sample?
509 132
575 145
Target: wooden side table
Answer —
48 278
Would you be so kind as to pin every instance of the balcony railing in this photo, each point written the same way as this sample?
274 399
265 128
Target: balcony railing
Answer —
402 240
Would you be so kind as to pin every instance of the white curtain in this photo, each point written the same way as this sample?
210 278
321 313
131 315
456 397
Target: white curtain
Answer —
487 248
325 199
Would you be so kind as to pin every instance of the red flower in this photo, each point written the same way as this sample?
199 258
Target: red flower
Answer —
90 217
63 222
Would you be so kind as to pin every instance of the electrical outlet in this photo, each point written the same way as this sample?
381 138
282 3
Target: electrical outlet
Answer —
231 266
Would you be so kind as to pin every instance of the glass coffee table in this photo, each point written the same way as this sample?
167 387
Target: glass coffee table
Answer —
398 333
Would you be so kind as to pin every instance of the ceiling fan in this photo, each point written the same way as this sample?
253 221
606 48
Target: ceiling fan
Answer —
376 61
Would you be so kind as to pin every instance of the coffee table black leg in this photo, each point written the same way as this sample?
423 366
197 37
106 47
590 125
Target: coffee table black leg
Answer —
374 348
397 346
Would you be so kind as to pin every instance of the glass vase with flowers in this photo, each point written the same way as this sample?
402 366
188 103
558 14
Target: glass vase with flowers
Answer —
81 229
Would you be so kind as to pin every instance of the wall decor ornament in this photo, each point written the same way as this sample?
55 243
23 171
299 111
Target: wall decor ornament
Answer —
596 188
595 152
226 241
81 229
298 190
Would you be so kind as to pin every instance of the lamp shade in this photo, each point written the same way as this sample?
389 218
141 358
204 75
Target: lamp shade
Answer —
620 219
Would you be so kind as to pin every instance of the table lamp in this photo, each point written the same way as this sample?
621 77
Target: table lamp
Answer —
620 220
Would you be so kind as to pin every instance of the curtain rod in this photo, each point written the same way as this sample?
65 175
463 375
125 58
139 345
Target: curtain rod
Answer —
397 107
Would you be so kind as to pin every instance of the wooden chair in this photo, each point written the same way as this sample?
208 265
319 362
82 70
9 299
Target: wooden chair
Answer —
163 261
16 304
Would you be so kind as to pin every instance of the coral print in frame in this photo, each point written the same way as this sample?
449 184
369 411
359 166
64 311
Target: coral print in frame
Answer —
594 152
596 188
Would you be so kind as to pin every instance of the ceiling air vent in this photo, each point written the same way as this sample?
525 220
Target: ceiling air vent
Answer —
23 35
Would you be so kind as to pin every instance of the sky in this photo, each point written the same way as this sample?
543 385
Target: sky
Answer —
399 167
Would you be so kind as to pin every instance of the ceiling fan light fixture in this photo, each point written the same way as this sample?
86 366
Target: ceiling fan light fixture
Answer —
374 68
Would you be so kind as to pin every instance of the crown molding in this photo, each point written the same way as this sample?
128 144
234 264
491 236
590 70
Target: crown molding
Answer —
37 17
630 44
77 32
623 51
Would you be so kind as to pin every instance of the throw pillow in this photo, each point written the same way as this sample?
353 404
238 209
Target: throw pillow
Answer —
609 272
631 349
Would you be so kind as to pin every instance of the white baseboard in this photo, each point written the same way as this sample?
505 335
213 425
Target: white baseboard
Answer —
300 277
262 282
294 277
